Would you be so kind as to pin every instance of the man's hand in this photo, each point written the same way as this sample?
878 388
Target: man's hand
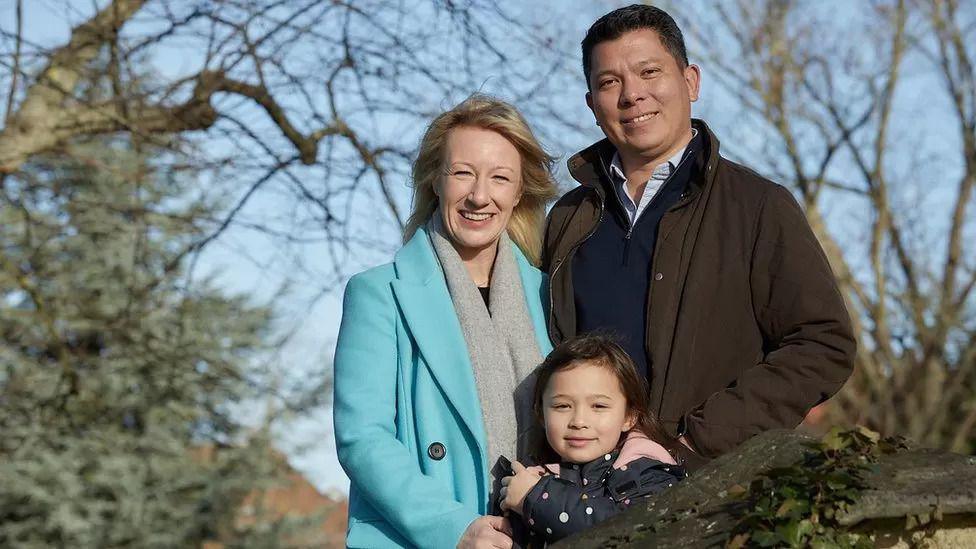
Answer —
515 488
488 532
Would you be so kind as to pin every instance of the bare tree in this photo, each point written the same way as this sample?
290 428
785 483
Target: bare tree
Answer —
313 107
868 111
296 119
299 117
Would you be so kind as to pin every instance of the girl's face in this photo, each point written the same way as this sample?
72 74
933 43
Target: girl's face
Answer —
585 412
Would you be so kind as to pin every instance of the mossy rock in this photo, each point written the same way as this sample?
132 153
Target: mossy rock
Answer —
906 497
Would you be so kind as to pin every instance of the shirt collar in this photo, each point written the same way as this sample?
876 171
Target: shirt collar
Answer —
661 171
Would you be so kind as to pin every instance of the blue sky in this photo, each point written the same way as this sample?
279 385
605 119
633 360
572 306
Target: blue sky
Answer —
246 262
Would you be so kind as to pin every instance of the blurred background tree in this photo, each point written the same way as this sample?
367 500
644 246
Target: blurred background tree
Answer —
151 136
140 397
868 112
118 378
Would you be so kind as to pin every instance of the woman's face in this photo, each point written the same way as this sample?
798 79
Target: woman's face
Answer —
479 189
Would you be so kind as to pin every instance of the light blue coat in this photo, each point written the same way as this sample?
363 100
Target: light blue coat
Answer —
403 381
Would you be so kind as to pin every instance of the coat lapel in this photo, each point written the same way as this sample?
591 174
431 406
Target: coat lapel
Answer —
428 311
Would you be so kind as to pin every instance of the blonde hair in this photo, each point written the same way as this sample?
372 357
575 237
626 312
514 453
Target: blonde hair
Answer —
538 187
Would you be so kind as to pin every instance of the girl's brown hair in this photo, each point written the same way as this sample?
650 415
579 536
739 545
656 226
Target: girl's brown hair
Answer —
602 350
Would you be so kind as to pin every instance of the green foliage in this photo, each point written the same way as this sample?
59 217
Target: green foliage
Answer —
798 506
117 377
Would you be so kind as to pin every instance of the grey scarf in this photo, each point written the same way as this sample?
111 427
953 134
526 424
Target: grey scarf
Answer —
502 346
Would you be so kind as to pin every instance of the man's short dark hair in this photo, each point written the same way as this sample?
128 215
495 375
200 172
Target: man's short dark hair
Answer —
634 17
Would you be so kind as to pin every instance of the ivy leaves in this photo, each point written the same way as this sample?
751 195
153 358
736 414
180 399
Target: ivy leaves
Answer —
799 505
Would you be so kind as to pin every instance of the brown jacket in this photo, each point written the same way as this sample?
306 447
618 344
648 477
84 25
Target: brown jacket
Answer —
746 329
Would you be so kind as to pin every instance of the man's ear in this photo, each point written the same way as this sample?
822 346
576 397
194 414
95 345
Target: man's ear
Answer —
589 103
692 76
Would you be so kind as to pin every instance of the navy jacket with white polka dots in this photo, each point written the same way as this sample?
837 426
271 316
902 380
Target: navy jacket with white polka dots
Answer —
580 496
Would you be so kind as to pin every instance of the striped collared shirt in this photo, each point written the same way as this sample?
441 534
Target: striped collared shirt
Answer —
661 174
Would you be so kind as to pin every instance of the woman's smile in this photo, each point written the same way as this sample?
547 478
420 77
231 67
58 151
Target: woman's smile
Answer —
476 219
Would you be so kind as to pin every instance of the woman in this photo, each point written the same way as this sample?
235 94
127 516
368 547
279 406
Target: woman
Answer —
435 351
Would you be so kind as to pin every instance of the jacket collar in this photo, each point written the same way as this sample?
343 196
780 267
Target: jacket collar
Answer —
417 265
429 316
422 294
416 262
594 472
588 166
638 445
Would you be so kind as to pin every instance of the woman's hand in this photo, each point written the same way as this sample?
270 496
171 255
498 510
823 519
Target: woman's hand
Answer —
488 532
515 488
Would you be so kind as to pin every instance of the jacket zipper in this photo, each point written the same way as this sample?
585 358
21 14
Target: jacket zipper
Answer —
559 263
630 229
562 260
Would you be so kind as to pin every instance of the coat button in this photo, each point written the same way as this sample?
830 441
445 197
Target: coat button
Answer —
436 451
658 276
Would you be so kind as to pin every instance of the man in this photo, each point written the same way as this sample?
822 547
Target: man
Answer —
708 273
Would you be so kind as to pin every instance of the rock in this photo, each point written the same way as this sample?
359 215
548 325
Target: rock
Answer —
914 497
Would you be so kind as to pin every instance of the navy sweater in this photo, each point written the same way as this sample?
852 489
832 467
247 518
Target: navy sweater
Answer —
612 269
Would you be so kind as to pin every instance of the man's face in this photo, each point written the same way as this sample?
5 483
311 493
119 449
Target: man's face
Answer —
641 96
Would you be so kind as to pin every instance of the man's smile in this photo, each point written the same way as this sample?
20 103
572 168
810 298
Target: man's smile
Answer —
639 118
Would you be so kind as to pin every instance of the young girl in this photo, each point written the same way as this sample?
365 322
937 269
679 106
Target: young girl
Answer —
608 446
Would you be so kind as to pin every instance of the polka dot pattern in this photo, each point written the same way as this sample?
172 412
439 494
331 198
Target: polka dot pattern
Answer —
601 479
